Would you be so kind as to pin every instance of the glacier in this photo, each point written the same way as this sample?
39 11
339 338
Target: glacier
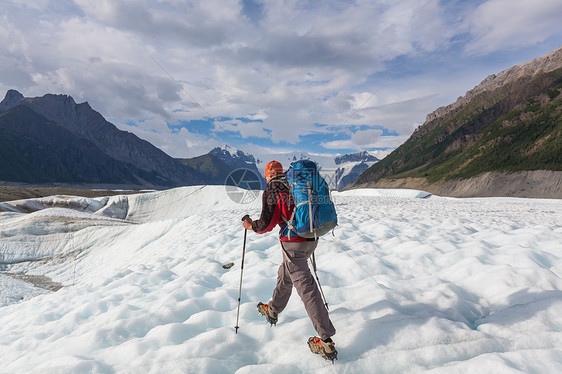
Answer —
415 283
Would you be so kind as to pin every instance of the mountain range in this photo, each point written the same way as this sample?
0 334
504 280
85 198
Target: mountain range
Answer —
351 166
339 171
53 140
228 166
503 138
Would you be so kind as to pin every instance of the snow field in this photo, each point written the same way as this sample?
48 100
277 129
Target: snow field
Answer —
413 285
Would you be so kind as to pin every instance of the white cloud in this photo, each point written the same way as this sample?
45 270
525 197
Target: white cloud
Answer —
366 139
289 63
246 129
40 5
505 24
380 154
59 79
180 144
189 23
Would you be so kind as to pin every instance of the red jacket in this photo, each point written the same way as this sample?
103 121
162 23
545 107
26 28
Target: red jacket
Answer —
277 203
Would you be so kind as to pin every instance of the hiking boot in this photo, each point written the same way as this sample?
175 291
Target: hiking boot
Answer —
269 314
325 348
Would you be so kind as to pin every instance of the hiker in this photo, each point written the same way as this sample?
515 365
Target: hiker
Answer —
277 206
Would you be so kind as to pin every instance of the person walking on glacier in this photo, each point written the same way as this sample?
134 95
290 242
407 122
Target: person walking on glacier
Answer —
277 209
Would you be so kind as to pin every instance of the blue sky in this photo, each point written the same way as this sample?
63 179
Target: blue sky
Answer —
325 77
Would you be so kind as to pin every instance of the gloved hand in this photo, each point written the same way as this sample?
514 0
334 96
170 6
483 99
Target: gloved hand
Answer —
247 223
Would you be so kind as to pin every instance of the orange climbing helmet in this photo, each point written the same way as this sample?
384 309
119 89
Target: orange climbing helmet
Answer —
273 168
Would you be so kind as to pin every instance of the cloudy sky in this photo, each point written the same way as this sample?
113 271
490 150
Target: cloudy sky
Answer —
268 76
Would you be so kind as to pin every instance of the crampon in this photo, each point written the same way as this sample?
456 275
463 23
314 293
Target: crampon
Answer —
270 315
324 349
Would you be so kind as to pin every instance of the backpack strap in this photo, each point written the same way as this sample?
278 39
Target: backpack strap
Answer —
289 224
309 201
290 221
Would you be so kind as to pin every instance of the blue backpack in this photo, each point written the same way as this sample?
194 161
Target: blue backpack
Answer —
314 214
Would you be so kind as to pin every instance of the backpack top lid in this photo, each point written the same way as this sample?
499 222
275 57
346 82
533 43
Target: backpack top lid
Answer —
302 171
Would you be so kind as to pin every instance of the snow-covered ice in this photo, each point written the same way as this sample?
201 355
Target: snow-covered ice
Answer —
415 283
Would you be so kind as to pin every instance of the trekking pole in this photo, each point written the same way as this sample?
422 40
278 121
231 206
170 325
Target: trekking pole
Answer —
241 273
318 281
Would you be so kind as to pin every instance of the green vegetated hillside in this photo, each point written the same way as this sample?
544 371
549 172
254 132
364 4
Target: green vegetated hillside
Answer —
215 170
516 127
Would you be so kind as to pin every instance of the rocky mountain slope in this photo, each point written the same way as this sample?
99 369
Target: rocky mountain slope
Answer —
509 124
241 168
68 142
36 150
351 166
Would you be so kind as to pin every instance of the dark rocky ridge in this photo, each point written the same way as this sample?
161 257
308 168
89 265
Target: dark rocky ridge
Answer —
151 166
356 157
237 159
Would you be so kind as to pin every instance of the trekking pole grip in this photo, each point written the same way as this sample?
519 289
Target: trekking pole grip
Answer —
246 216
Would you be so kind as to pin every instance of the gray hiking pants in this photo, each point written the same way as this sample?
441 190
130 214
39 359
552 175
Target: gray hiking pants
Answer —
294 270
